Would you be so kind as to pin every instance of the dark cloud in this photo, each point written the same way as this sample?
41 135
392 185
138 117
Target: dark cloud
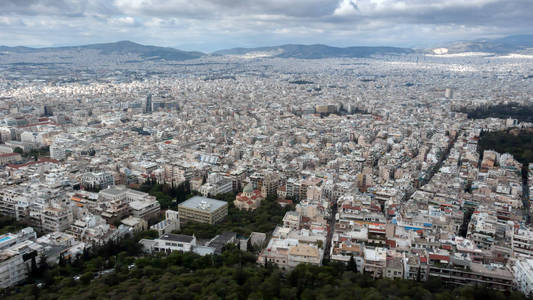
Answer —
221 8
67 8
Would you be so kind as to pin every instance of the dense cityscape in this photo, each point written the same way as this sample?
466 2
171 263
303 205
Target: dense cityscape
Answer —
266 149
373 163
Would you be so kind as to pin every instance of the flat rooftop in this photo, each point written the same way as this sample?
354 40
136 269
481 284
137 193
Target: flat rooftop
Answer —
176 238
202 204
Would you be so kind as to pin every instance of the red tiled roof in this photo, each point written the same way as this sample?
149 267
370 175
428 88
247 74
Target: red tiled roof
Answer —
446 247
439 257
285 201
349 206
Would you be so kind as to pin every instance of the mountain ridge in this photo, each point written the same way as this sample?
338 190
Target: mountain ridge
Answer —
120 47
316 51
503 45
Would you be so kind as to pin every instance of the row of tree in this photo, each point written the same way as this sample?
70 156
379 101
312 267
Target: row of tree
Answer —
232 275
503 111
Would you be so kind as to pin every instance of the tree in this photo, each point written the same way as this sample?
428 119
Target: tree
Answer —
352 265
250 246
86 277
62 261
18 150
34 269
43 264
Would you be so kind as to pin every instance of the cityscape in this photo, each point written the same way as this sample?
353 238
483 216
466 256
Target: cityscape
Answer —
298 171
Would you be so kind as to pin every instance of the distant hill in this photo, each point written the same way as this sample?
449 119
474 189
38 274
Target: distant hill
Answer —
505 45
313 51
122 47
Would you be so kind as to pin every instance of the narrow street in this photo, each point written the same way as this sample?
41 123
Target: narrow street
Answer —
331 224
525 198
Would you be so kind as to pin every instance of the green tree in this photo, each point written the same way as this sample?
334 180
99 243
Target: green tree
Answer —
352 265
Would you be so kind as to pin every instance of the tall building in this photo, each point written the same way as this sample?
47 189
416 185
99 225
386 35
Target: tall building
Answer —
148 104
448 93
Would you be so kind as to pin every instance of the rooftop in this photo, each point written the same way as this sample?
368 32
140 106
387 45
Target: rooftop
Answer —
202 203
177 237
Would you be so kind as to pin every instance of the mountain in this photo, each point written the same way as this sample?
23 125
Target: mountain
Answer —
505 45
122 47
313 51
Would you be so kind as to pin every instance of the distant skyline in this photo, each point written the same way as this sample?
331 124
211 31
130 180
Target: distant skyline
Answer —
209 25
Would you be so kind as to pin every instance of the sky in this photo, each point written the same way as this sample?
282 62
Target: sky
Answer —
209 25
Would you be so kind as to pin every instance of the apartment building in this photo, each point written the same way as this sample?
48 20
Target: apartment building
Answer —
144 209
523 276
6 158
202 210
56 218
13 270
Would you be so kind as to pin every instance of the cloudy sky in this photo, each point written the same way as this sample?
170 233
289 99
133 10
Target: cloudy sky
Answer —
209 25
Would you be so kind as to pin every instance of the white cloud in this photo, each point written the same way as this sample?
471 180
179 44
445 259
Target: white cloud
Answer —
127 21
346 8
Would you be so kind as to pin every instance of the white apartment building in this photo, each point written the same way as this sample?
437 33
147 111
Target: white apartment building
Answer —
56 218
12 268
523 276
99 180
522 242
144 209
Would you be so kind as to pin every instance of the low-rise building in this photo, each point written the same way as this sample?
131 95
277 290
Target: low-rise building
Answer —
6 158
169 224
144 209
170 242
249 199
